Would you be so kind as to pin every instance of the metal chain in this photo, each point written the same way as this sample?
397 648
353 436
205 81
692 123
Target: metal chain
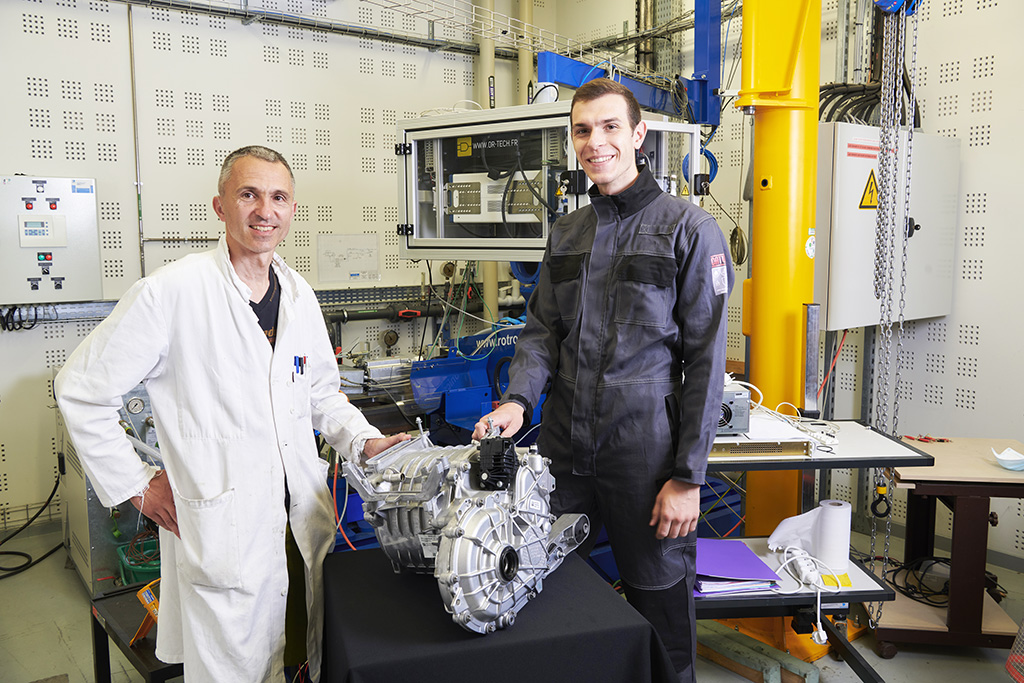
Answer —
884 238
897 393
885 144
887 220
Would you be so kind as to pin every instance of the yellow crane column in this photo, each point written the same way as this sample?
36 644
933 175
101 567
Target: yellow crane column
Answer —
781 64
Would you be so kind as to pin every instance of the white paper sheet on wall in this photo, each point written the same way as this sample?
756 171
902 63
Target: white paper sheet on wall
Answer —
348 258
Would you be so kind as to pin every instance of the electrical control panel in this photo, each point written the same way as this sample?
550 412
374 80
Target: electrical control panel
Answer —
846 261
490 184
49 240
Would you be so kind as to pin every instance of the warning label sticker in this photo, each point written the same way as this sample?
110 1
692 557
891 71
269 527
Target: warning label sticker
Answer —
860 148
869 198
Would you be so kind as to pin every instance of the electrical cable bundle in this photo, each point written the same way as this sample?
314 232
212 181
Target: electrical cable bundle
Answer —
14 318
859 103
7 572
137 555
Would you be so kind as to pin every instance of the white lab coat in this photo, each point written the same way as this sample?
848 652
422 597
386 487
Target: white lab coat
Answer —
233 419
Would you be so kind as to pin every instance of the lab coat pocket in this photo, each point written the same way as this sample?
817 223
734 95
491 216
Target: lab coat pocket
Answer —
301 389
209 537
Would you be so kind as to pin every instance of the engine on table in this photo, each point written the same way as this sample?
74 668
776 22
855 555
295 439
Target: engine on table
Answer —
477 517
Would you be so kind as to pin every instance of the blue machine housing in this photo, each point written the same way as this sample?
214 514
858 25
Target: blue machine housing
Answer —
464 386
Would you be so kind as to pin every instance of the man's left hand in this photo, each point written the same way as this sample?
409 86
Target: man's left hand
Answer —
374 447
676 509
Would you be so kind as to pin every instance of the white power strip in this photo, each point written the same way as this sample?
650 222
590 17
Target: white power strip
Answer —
804 567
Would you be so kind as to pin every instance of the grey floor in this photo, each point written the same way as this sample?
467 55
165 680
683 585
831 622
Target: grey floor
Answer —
45 633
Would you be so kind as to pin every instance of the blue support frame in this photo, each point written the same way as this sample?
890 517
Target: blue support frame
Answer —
701 90
554 68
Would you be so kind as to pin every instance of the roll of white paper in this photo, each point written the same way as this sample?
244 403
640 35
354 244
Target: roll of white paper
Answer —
831 535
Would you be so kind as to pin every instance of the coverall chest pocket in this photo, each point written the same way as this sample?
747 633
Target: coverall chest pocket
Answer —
209 536
567 283
646 290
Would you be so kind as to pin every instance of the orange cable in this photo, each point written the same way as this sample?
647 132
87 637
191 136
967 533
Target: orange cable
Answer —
337 517
834 359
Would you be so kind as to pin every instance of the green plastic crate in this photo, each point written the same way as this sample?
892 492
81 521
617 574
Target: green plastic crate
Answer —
139 573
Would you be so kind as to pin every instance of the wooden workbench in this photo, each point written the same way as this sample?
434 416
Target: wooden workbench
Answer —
965 476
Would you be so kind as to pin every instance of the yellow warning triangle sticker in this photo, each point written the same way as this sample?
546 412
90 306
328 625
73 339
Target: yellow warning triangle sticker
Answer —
869 199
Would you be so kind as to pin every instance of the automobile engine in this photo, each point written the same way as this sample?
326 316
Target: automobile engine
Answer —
477 517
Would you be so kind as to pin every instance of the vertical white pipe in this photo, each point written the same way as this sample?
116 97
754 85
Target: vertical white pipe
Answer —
525 51
485 63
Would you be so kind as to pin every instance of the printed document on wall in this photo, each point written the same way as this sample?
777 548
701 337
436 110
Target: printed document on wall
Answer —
348 258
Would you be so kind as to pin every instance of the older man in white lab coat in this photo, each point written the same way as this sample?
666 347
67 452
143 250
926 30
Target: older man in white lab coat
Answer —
233 350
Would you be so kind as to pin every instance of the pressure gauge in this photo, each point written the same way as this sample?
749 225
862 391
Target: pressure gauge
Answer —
136 405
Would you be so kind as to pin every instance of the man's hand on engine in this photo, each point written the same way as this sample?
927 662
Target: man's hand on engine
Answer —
508 417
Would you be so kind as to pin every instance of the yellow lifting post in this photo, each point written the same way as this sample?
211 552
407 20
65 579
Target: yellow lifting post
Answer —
781 64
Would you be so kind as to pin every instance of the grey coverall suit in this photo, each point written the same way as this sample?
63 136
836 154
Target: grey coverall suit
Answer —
633 289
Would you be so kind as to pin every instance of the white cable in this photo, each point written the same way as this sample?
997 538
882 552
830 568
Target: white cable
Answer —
146 449
527 433
760 394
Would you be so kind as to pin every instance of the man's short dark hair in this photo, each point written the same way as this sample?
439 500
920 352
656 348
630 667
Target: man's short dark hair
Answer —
599 87
255 151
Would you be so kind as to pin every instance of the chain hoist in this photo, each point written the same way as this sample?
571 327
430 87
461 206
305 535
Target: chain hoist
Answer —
892 219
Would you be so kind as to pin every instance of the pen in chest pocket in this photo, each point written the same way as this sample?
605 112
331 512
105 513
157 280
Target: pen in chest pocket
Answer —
300 366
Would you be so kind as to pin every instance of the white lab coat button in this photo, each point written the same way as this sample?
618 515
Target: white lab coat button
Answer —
284 592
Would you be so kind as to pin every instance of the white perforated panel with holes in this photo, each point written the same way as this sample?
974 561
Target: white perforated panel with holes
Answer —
72 117
341 150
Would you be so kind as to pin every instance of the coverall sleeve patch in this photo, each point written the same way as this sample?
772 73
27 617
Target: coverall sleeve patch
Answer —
719 273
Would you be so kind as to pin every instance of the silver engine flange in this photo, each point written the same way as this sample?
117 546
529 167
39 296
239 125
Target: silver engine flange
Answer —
485 532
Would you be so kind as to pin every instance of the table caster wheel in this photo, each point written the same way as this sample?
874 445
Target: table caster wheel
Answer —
885 649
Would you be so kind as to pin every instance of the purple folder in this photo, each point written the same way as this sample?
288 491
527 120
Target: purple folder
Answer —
728 559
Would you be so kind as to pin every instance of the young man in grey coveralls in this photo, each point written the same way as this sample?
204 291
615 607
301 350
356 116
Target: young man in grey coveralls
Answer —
632 289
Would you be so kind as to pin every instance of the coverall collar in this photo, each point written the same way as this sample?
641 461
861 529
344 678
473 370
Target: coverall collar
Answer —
634 198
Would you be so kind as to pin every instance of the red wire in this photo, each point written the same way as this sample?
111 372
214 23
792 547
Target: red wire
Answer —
337 518
834 359
742 519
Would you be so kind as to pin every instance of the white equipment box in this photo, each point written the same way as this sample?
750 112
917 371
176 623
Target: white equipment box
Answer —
844 265
490 184
49 240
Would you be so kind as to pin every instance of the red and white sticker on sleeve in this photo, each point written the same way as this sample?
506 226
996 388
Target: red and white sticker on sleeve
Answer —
719 273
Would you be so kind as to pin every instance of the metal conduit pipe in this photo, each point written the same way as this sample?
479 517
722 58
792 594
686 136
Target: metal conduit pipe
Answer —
395 312
249 15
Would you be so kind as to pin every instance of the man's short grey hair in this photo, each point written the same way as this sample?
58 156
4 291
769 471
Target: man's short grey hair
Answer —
255 151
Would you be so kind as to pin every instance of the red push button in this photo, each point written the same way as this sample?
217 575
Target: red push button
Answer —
49 257
28 205
53 205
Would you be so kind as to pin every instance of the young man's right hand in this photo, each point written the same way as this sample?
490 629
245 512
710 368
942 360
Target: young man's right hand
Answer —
508 417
